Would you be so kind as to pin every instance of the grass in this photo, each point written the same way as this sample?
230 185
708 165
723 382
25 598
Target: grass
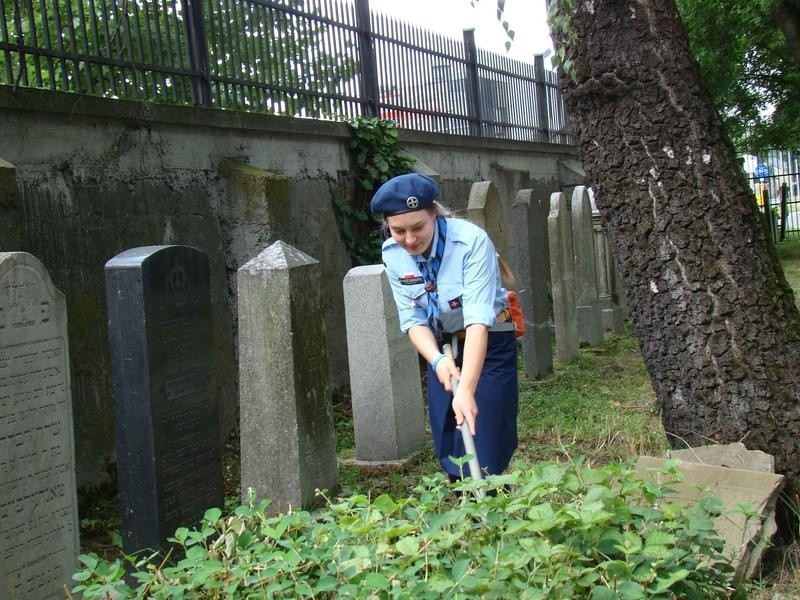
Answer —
789 253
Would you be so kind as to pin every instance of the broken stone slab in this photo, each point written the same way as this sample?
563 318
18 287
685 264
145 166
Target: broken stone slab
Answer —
734 456
745 536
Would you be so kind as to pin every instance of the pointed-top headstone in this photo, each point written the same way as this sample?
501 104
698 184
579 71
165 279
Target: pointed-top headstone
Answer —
590 318
279 256
288 446
562 278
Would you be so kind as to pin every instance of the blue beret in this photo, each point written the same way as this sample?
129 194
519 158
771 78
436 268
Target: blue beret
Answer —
404 193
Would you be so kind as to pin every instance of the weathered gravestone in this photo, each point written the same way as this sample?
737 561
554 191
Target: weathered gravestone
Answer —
590 318
168 450
529 261
562 278
288 446
745 534
733 456
485 210
385 389
38 510
608 288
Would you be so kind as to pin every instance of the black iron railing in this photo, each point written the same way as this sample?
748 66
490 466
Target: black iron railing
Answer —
328 59
775 180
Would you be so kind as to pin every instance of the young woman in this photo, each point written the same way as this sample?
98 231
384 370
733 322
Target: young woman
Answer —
446 282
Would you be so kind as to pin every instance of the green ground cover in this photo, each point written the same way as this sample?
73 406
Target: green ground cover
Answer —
600 407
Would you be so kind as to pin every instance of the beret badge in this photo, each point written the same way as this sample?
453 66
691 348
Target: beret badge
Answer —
412 202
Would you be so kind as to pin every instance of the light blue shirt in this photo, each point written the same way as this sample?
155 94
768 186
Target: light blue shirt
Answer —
468 282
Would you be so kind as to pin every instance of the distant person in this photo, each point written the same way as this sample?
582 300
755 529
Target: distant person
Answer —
446 282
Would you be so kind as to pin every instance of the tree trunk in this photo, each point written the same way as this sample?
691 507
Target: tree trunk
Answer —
715 318
786 14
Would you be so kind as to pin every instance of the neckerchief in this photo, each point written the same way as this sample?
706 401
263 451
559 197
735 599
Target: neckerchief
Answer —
430 270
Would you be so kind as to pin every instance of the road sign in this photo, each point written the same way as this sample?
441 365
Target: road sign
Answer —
762 170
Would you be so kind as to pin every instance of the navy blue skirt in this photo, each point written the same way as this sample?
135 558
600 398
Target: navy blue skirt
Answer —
497 399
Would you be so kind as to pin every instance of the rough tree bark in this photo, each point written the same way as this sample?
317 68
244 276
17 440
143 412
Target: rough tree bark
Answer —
786 14
716 321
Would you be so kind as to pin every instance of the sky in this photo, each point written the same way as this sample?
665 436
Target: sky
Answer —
528 18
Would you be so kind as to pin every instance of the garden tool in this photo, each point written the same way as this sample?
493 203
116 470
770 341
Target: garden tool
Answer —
466 435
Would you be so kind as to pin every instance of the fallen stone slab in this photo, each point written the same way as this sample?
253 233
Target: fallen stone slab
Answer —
734 456
745 536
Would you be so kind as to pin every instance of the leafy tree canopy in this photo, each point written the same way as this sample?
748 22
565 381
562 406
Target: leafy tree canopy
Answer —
748 68
748 54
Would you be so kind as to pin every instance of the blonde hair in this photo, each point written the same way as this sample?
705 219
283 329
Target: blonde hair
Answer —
506 274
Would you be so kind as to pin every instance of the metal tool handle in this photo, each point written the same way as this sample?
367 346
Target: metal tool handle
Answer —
466 435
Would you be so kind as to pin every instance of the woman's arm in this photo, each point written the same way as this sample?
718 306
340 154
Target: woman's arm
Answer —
464 405
422 339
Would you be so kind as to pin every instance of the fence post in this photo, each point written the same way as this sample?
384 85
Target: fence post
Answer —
471 86
784 201
542 105
198 52
370 95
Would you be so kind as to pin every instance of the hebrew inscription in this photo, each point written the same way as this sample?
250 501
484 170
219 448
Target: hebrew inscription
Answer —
38 514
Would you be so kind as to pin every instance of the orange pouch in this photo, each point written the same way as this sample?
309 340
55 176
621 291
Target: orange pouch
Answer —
515 309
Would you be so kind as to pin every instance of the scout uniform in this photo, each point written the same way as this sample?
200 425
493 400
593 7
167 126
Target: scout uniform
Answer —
466 290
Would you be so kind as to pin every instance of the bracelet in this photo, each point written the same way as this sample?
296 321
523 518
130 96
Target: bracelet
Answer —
436 361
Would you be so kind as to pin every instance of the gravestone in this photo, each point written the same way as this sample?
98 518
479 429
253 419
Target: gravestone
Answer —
10 211
734 456
167 417
607 279
288 446
528 251
745 534
562 278
38 507
590 319
485 210
385 389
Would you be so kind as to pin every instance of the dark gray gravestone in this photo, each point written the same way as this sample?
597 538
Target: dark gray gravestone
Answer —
168 451
528 246
38 509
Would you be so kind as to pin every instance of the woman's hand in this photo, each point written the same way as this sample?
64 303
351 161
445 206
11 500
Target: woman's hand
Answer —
446 369
465 409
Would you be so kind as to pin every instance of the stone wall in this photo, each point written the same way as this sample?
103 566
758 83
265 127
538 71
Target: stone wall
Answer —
95 177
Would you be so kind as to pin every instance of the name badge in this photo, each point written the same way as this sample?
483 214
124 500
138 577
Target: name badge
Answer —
455 303
411 279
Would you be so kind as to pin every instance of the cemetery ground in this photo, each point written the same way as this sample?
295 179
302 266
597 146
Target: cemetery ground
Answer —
600 407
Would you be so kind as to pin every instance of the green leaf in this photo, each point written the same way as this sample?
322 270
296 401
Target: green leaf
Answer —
212 515
663 585
327 583
90 560
376 581
662 538
408 546
630 590
440 584
196 553
460 568
385 505
602 593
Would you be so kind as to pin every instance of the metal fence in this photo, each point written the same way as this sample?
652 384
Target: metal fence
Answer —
775 180
327 59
